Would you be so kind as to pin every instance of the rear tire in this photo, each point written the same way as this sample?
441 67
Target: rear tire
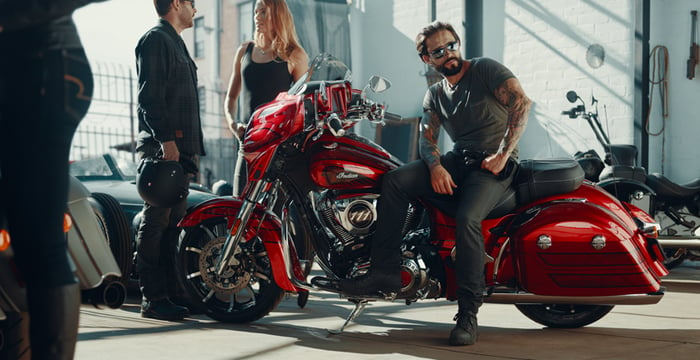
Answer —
565 316
14 336
241 295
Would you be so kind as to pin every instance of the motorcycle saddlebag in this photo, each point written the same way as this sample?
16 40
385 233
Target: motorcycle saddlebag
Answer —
541 178
87 242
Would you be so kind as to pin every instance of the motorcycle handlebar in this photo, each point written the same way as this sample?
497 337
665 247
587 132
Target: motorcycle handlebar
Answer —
575 112
335 126
570 113
392 117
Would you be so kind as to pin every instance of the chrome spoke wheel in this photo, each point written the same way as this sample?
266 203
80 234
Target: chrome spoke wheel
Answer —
244 292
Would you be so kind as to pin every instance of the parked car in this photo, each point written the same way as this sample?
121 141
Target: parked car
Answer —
116 176
96 230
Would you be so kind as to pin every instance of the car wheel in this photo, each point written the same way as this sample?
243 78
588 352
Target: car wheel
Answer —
14 336
118 230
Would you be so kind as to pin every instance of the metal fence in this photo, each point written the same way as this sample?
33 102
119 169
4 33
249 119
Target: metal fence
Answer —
111 125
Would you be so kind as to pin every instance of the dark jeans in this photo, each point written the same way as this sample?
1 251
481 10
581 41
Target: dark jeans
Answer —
157 239
240 173
477 194
43 97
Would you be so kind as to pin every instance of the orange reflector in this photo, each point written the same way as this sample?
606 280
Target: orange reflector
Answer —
234 228
67 223
4 240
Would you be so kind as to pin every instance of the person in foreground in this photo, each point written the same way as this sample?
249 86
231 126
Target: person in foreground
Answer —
484 110
263 68
170 130
46 89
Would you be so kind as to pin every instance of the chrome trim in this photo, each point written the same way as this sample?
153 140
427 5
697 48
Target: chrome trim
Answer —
598 242
497 263
528 298
679 242
544 241
232 240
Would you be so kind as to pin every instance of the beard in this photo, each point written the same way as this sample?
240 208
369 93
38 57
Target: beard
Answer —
444 70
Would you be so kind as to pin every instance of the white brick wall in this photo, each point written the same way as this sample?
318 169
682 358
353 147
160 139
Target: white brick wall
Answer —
544 42
545 46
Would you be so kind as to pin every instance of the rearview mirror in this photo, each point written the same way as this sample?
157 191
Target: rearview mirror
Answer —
379 84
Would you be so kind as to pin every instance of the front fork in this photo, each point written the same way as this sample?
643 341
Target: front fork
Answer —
235 234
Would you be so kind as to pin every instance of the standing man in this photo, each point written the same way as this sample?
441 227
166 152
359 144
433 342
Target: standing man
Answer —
170 130
484 110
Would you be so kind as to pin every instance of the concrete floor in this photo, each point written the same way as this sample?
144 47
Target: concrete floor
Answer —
667 330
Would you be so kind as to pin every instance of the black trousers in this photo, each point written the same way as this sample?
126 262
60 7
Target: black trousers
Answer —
43 97
477 194
240 173
156 246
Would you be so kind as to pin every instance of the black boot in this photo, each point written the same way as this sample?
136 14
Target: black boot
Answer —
53 326
466 331
373 283
163 309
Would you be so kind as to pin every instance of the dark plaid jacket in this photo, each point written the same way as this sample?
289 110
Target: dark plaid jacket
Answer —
168 102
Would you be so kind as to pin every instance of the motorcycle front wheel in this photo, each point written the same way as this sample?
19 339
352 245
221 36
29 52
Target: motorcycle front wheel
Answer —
565 316
245 292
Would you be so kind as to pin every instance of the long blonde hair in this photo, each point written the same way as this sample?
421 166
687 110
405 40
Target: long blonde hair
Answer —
284 36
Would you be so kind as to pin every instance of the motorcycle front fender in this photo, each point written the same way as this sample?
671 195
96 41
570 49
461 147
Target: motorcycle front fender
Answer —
266 225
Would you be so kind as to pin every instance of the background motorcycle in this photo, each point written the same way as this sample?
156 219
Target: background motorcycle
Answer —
95 225
676 207
564 260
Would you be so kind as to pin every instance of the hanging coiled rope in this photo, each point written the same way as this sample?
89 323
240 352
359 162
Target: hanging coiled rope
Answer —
658 76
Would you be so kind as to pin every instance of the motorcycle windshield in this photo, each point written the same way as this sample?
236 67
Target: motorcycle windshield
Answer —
324 67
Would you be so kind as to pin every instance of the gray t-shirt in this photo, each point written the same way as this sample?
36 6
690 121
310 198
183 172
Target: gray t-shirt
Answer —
470 112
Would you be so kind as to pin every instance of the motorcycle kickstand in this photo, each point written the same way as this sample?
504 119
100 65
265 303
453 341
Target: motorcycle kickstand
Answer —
359 306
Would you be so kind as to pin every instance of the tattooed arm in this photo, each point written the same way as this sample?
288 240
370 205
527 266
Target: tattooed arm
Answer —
440 179
511 95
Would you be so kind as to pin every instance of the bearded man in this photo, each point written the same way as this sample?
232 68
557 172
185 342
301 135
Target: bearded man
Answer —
484 110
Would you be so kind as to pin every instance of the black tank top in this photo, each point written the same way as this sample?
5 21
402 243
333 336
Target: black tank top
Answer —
261 82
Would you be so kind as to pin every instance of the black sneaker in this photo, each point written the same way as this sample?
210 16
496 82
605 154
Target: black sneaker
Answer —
466 331
372 284
163 310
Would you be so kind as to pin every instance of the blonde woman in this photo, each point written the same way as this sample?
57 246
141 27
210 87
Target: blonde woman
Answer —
263 68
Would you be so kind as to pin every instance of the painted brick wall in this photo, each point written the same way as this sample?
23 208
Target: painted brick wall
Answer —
545 44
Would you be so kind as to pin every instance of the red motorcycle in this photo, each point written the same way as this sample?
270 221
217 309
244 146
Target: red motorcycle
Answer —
561 249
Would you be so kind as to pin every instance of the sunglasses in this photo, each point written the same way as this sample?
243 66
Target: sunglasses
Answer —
191 2
441 51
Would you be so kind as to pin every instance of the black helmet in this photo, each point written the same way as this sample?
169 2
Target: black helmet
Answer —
161 183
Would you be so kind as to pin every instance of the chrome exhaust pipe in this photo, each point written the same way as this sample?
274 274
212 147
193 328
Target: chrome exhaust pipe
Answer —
527 298
114 294
678 242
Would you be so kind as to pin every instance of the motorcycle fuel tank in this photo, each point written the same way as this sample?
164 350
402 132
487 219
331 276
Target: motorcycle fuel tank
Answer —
349 162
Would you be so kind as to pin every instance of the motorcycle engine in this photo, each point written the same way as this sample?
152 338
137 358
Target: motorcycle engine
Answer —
350 218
